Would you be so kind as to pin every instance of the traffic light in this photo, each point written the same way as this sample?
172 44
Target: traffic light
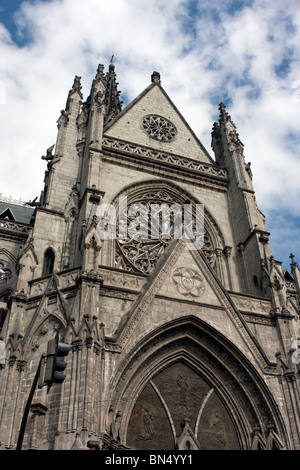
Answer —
55 366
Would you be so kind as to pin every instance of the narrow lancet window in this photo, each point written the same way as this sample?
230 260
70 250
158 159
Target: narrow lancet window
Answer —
48 262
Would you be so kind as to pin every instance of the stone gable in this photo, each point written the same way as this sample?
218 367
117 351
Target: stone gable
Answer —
131 125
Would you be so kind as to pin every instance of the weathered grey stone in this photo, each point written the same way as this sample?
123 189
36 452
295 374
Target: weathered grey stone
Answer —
171 348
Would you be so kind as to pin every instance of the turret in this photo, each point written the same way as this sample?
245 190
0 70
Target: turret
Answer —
112 95
247 220
101 107
62 166
295 273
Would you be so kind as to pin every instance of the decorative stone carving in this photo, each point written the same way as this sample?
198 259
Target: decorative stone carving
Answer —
177 160
120 279
248 304
16 227
158 214
149 427
187 440
38 288
159 128
178 408
149 430
188 282
68 279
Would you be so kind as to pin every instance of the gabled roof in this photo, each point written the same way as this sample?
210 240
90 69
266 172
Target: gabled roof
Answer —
131 124
7 214
15 212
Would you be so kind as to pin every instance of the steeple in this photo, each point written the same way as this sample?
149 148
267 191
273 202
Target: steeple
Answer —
251 236
229 150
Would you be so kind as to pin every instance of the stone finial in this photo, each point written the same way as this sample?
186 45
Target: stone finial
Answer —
76 88
111 65
112 94
77 84
100 73
223 113
293 263
155 77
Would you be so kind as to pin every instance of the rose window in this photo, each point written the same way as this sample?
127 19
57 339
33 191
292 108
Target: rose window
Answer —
146 227
159 128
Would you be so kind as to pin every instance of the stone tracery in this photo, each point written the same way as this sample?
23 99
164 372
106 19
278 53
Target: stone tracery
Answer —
155 230
159 128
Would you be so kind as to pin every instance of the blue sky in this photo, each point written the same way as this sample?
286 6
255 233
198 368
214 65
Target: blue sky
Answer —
244 53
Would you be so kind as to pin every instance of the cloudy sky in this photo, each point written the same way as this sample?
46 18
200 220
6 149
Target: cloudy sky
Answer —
244 53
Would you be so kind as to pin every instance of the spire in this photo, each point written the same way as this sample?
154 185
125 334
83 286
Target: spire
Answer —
224 116
76 88
100 74
295 271
112 95
234 142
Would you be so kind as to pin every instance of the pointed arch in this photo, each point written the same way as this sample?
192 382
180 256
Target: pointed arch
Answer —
210 362
160 191
48 263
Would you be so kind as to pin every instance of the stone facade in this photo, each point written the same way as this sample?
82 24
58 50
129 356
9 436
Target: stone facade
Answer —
172 348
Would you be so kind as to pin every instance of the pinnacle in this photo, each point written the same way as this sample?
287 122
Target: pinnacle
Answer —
155 77
224 115
76 88
77 84
223 112
112 95
100 73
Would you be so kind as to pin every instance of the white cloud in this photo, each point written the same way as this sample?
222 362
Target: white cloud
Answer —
218 54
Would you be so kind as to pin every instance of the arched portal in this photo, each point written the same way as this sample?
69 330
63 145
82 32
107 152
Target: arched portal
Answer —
186 386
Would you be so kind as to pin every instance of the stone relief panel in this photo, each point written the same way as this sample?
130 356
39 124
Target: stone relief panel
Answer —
183 392
216 430
64 280
177 396
248 304
149 427
188 282
38 288
120 279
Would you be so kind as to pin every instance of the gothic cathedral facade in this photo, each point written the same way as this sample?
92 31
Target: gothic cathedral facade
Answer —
172 347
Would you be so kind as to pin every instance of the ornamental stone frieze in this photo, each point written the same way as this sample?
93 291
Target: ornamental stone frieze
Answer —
163 157
248 304
121 279
15 227
43 285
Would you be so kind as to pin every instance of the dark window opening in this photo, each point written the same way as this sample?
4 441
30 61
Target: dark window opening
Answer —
48 262
256 283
